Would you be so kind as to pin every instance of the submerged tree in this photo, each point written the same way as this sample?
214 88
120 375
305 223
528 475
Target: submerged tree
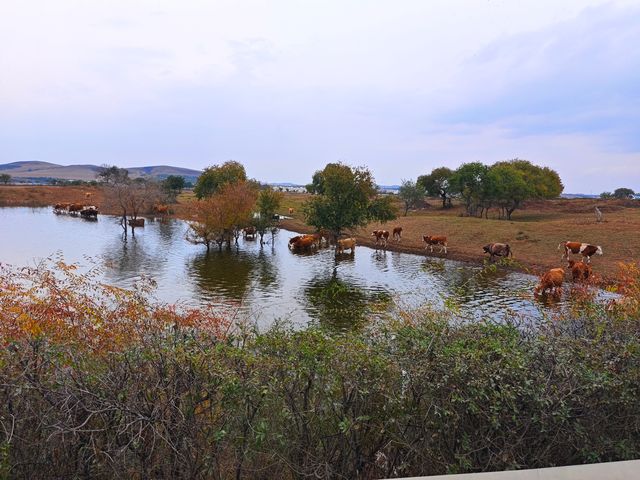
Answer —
131 198
346 198
265 219
219 216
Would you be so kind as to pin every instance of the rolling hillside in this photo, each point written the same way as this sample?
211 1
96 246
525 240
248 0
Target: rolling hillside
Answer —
34 171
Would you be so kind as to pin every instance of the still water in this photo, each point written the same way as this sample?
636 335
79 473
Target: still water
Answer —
268 283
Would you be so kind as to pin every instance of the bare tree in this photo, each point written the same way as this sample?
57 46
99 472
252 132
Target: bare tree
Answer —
131 198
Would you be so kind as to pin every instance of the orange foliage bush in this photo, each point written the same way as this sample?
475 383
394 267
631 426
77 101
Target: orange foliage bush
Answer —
56 302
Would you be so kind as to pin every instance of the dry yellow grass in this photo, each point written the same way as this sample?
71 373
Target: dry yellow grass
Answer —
534 233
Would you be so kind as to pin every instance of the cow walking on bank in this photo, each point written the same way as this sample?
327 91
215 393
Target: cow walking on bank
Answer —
431 240
584 249
498 250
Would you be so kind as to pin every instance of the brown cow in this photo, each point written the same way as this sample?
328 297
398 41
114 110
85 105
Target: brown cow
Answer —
551 281
346 244
431 240
59 207
290 211
586 250
136 222
382 236
580 271
498 250
161 209
305 243
75 207
397 233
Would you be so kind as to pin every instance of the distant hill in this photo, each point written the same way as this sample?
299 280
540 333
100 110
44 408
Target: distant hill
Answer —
32 171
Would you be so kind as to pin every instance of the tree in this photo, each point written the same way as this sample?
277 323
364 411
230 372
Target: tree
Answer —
5 178
438 184
214 177
623 193
265 218
219 215
110 175
468 181
130 197
173 185
519 180
412 195
346 198
606 195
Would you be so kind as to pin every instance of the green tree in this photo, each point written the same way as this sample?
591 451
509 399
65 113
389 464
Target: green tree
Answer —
411 194
265 218
606 195
214 177
347 198
468 180
520 180
438 184
623 193
172 186
5 178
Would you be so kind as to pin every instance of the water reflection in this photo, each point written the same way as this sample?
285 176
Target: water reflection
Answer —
271 281
222 273
340 304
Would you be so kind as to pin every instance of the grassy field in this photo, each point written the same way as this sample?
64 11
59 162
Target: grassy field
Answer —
534 233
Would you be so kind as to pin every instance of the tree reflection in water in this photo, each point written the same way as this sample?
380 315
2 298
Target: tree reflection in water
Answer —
339 304
229 273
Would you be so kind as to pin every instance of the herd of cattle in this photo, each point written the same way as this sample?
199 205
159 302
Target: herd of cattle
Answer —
551 281
85 211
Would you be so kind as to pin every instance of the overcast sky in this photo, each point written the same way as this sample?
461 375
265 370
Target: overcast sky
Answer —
285 87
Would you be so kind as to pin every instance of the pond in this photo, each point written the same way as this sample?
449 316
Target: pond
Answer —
268 283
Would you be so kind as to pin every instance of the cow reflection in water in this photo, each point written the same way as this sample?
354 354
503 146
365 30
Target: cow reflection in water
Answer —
343 305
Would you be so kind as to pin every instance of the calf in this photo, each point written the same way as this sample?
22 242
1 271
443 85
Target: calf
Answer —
346 244
586 250
580 271
431 240
397 234
551 281
498 250
382 236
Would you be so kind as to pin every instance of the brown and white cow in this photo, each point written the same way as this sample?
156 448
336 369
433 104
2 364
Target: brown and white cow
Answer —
498 250
346 244
580 271
397 234
382 236
551 281
290 211
584 249
431 240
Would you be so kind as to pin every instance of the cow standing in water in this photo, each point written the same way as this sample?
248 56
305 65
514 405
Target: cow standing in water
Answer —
580 272
584 249
346 244
382 236
550 281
